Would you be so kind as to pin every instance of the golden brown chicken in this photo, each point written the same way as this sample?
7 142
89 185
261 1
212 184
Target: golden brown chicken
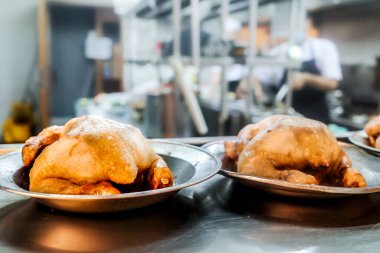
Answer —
35 144
92 156
233 148
294 149
372 128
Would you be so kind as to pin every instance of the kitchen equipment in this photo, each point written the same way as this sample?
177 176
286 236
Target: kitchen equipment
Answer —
281 94
189 97
158 114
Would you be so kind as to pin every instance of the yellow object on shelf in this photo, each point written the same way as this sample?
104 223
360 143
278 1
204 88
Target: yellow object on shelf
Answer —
18 127
16 132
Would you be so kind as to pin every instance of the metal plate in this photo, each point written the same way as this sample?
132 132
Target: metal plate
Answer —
360 138
190 165
367 164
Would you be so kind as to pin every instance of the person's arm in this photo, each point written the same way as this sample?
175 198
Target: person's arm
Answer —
327 60
319 82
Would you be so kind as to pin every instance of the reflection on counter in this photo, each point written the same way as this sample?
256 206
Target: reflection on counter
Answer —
219 215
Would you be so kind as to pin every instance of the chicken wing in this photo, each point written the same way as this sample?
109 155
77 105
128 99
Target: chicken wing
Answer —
372 128
93 154
35 144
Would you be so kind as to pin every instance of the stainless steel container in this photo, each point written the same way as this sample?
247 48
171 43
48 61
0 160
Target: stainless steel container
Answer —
159 114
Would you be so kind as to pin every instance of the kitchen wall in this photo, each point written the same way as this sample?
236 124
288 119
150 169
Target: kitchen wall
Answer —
355 30
71 70
18 50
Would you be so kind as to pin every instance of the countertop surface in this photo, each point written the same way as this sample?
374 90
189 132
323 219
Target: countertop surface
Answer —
218 215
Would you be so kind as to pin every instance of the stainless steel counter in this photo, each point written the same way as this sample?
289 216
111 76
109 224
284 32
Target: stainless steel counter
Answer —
215 216
218 215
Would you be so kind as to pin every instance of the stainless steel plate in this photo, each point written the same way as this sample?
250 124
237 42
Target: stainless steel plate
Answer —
190 165
360 138
367 164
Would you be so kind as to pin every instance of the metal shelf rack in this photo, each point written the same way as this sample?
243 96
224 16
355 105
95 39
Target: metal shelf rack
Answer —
174 7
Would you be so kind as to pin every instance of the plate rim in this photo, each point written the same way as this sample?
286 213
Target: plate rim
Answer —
363 134
38 195
290 186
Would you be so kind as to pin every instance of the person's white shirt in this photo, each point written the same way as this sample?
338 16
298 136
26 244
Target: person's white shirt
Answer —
323 51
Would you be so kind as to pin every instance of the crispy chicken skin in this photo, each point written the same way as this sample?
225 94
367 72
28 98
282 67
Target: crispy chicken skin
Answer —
294 149
92 154
372 128
35 144
233 148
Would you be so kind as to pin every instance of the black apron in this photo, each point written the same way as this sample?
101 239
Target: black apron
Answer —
309 101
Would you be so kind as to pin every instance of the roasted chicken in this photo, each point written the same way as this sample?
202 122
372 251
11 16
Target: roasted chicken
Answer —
294 149
93 156
372 128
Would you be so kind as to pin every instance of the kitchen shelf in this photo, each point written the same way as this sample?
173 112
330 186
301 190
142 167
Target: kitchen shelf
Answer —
163 8
215 61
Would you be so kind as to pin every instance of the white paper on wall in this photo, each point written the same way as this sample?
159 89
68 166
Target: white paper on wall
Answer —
98 48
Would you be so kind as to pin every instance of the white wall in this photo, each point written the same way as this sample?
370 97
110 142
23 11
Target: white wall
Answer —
18 47
356 33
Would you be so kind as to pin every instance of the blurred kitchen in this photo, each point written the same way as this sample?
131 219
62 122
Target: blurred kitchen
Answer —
187 68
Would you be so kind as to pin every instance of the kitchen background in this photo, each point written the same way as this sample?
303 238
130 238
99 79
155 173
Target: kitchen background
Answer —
44 60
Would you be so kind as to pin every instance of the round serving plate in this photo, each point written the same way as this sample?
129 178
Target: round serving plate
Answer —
365 163
360 139
190 165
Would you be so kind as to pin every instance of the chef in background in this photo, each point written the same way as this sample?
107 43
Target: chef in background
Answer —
320 72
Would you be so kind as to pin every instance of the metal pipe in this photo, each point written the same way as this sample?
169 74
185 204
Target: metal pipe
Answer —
293 18
253 10
292 40
177 28
189 96
225 8
301 20
291 35
223 115
131 51
185 87
195 33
